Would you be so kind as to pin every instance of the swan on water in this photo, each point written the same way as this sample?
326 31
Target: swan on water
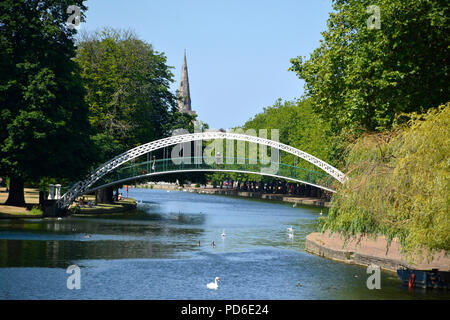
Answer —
213 285
290 235
290 229
295 204
321 212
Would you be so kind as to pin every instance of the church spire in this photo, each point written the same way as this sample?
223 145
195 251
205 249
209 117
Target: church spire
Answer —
184 95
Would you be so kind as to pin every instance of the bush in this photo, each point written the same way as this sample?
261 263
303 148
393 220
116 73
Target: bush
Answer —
36 211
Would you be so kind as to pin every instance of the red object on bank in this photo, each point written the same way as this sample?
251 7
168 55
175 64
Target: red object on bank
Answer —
127 192
411 281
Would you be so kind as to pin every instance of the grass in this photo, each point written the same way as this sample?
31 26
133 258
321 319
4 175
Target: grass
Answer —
32 201
31 198
103 208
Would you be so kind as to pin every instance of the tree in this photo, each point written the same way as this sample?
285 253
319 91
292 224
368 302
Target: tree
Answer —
363 78
298 126
43 117
127 84
398 185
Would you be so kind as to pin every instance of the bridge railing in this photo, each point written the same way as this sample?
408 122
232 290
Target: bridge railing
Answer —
159 166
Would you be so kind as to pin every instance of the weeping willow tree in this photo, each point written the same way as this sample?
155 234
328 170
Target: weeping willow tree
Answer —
399 183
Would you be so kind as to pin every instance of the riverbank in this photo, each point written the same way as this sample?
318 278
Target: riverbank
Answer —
14 212
368 251
32 200
295 199
103 208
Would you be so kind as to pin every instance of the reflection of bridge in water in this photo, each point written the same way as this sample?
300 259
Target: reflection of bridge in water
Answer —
112 172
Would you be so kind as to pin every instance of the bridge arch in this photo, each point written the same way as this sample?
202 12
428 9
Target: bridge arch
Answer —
82 186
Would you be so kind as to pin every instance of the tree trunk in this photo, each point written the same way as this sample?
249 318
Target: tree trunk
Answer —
116 197
105 195
16 195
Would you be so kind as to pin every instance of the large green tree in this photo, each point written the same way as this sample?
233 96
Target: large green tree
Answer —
43 117
127 84
362 78
298 126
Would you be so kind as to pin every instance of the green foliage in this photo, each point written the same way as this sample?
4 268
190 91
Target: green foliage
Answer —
298 126
36 211
127 84
361 79
398 185
179 120
43 117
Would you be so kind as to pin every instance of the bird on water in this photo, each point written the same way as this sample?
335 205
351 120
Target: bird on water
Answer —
214 285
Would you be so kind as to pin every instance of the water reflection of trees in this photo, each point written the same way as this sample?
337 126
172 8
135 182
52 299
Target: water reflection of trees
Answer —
157 236
60 254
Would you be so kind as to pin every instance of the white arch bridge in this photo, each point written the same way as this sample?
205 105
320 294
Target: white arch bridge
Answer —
110 172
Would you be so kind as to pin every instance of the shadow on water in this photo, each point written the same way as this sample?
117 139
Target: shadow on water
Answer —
132 235
61 254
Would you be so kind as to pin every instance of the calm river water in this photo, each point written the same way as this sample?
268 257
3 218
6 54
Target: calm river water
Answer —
152 253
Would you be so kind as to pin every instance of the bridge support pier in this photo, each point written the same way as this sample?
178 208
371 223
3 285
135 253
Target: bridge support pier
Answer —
51 210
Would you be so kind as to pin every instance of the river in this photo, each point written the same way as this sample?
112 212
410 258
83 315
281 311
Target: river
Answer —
152 253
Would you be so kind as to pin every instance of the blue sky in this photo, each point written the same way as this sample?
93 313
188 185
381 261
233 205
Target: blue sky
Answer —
238 52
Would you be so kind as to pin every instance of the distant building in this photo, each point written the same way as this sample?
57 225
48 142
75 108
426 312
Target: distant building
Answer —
184 95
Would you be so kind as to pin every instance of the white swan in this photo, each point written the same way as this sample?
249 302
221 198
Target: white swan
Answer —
295 204
213 285
321 212
223 233
290 229
290 235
